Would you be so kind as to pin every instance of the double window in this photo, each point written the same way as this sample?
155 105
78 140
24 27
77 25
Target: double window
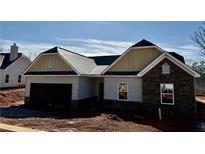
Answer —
7 78
123 91
167 93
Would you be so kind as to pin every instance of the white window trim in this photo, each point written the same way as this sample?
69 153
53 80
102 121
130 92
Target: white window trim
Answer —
173 103
118 91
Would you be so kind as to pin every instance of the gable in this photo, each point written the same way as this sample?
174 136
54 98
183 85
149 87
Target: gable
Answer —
170 59
49 63
135 60
175 71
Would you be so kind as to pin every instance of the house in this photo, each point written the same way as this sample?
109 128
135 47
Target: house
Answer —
12 66
144 77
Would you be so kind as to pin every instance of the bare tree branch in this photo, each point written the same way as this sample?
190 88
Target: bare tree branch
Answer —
199 38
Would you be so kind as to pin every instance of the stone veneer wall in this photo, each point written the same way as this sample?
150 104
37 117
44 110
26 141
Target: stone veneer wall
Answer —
183 91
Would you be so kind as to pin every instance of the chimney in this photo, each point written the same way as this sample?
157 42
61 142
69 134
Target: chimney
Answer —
14 52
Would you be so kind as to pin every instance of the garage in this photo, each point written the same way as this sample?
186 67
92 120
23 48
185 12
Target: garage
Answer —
51 95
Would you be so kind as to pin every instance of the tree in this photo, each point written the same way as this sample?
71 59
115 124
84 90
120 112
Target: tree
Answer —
195 66
199 67
199 38
199 82
202 67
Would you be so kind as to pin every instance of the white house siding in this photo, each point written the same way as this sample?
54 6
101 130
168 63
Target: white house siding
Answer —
134 88
14 70
54 79
86 87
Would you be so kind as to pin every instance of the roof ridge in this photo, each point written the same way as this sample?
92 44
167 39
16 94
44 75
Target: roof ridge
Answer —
73 52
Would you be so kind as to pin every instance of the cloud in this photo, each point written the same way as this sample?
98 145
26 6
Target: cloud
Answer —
189 51
95 47
189 47
28 48
87 47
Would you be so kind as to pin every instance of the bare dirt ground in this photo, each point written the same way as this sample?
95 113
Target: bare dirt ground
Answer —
14 112
11 97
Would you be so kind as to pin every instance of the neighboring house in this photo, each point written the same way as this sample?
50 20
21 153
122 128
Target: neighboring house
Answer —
12 66
144 77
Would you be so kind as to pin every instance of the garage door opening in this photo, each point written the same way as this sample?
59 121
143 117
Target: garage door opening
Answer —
49 96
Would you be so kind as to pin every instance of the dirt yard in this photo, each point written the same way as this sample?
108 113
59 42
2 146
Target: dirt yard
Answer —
11 97
14 112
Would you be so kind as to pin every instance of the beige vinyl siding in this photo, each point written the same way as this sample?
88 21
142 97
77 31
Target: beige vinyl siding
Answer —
111 85
136 60
42 64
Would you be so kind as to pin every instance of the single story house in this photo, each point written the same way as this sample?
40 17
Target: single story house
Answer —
12 66
144 77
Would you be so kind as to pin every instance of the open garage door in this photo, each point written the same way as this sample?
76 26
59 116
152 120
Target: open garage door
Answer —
51 95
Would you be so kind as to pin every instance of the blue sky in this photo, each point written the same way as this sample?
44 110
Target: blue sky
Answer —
99 38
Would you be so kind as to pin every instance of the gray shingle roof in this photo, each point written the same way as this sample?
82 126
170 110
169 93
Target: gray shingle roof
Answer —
143 43
5 60
105 60
95 65
81 64
98 69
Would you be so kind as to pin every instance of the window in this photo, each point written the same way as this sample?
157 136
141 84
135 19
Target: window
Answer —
7 78
165 68
50 64
123 91
167 94
19 78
